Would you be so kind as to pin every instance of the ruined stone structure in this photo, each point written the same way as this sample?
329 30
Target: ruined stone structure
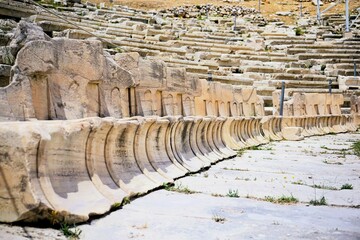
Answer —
82 129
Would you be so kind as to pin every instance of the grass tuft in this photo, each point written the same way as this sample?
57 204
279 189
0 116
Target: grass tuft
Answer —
324 187
320 202
356 148
233 193
346 186
68 233
218 219
178 188
282 200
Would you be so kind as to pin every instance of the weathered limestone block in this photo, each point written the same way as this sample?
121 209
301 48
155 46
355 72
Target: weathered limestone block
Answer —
20 196
24 33
63 173
355 104
292 133
316 113
120 158
355 109
69 170
271 127
293 107
346 82
66 79
183 148
97 159
157 138
51 173
160 90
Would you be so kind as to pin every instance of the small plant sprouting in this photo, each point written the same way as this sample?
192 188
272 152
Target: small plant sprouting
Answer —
346 186
298 31
240 152
299 182
356 148
270 199
236 169
320 202
116 205
72 234
282 200
217 195
323 187
218 218
255 148
179 188
168 186
125 201
233 193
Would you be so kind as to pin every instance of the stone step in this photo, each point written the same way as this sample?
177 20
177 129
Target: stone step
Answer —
295 84
306 56
305 77
127 42
211 65
234 80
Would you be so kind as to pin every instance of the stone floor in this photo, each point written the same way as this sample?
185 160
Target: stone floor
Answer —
232 199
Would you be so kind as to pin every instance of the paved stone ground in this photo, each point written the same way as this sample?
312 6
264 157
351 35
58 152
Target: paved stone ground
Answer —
308 170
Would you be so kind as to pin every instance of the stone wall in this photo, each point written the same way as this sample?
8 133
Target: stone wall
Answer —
81 130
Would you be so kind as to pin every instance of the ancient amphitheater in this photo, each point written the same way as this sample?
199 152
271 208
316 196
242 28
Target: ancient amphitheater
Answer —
102 104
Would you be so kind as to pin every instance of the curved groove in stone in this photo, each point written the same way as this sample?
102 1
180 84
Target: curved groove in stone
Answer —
156 150
63 172
140 150
120 158
96 162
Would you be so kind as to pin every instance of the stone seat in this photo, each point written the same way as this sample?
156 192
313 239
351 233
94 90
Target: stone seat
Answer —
352 43
143 52
331 49
261 69
190 39
209 64
122 32
306 56
16 9
234 80
349 82
191 69
295 84
294 70
305 77
325 46
331 36
289 38
211 45
289 42
271 59
343 72
129 43
291 90
265 92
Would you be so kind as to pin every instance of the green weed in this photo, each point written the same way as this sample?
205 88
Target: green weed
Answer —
72 234
356 148
346 186
320 202
282 200
233 193
218 218
178 188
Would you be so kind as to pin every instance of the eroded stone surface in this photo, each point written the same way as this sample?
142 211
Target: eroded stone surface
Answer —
84 129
